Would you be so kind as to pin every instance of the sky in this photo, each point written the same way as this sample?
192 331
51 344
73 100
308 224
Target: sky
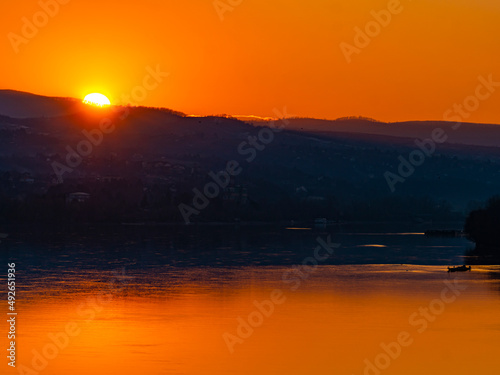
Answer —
250 57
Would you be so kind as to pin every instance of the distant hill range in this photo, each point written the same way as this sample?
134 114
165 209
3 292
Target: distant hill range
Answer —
335 169
19 104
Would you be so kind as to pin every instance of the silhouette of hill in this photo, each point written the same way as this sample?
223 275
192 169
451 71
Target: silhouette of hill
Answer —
19 104
466 133
153 159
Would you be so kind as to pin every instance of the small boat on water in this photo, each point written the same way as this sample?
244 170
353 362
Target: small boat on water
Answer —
459 268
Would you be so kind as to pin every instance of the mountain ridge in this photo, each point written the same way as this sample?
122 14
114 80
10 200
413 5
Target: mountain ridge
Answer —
153 159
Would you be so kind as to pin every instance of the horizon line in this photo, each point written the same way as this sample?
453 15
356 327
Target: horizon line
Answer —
256 117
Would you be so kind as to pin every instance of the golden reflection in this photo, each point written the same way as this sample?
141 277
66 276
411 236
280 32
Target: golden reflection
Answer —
338 322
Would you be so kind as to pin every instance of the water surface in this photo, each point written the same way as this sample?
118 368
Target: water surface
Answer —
163 301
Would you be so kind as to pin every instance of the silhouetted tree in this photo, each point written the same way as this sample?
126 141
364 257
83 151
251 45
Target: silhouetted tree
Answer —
483 226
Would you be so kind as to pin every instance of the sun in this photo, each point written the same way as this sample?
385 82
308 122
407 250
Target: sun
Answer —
97 100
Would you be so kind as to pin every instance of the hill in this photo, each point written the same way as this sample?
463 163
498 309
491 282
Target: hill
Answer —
457 133
19 104
141 163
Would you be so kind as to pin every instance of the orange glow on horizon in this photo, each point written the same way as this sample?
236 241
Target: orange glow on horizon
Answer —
329 323
263 55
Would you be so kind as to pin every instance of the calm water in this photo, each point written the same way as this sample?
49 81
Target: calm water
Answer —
226 300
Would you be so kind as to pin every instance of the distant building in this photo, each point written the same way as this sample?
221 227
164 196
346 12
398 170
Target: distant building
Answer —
26 178
312 199
111 179
77 198
236 194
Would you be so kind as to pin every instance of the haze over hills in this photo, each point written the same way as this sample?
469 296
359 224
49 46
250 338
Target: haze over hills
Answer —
150 160
466 133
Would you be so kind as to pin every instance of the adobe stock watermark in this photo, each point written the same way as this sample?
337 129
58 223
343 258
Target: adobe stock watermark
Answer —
94 137
30 27
373 28
427 147
420 321
220 180
58 342
223 6
294 278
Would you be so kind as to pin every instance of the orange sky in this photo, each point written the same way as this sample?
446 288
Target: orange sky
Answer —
263 55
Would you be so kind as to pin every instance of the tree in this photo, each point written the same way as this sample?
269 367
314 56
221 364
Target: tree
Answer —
483 226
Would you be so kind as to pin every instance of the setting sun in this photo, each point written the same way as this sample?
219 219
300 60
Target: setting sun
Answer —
96 99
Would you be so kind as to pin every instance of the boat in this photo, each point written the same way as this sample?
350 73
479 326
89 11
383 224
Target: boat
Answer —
3 236
459 268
